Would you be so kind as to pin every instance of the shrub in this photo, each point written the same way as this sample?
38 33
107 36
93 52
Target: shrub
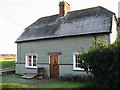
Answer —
104 63
75 78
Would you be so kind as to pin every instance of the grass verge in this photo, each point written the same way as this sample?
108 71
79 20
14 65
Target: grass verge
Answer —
12 85
63 84
14 78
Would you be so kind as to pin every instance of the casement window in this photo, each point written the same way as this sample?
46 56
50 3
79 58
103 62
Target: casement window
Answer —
77 62
31 61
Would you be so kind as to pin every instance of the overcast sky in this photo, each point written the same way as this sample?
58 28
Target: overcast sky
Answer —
15 15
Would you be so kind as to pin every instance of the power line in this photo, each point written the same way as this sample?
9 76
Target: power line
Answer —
10 19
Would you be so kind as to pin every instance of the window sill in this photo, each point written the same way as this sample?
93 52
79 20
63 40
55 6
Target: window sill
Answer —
31 67
78 69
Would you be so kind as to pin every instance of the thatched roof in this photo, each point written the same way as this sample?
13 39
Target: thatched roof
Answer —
80 22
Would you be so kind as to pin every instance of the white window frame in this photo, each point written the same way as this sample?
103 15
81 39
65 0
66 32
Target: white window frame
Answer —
74 62
26 60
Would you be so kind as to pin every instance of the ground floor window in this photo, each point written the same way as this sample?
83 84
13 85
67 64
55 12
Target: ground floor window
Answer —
31 61
77 62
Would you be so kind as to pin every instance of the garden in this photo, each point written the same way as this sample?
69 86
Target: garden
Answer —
101 63
15 81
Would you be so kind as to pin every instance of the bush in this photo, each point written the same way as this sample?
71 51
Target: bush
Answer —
104 62
75 78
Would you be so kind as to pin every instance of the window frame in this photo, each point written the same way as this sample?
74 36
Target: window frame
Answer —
26 60
74 62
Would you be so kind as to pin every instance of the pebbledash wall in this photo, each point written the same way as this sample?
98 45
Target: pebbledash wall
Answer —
66 45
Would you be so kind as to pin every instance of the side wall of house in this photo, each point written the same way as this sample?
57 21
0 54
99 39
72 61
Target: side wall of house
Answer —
113 35
67 46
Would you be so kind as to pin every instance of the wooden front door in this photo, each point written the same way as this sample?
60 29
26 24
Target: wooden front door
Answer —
54 66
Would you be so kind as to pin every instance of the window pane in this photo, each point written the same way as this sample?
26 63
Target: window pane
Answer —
34 63
76 65
75 57
29 61
34 57
79 65
34 60
77 61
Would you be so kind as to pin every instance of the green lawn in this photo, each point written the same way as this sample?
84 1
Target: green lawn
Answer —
12 85
7 64
14 78
16 81
63 84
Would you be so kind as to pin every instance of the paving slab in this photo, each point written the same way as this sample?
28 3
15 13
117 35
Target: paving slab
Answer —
29 75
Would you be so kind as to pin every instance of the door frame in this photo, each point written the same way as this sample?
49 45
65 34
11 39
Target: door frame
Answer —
58 63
